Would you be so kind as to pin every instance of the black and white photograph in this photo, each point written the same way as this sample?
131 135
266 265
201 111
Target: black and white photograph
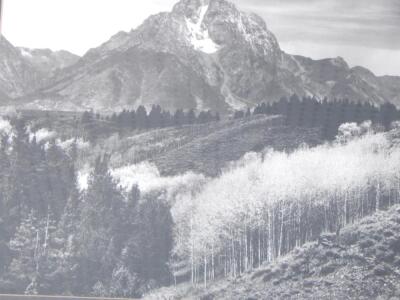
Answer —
200 149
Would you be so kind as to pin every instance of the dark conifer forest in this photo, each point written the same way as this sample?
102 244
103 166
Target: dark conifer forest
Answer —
56 239
327 115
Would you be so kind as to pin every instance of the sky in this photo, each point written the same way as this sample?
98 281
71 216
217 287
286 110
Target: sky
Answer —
363 32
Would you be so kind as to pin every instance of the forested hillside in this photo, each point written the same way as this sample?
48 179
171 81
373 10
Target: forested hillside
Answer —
121 214
360 262
328 115
270 203
57 239
194 158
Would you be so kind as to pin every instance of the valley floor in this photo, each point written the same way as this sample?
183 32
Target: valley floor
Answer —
362 262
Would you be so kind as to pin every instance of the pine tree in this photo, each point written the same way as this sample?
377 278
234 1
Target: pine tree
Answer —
21 189
191 117
68 243
179 118
100 228
166 119
87 117
141 118
155 117
5 254
125 284
156 239
60 179
35 257
238 114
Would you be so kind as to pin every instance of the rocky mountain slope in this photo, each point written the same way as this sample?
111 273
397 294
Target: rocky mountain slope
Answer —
48 61
204 54
362 262
24 70
17 76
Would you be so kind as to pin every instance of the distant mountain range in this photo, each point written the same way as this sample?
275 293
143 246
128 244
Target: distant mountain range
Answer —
204 54
23 70
47 61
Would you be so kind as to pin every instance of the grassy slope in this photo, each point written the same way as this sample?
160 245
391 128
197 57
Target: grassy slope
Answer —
209 153
363 262
202 148
208 148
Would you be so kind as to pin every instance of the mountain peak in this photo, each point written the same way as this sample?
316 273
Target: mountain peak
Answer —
17 75
48 61
204 54
213 24
189 7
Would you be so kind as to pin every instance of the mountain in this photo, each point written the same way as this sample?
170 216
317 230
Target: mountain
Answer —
48 61
204 54
17 75
333 78
23 70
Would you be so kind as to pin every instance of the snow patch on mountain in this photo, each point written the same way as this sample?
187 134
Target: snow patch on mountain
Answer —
25 53
199 37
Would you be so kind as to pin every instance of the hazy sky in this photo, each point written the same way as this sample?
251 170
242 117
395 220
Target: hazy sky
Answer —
364 32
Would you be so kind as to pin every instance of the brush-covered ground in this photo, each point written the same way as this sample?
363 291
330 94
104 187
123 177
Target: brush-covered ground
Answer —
362 262
201 148
206 148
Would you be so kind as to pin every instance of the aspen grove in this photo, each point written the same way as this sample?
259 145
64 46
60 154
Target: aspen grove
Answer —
267 204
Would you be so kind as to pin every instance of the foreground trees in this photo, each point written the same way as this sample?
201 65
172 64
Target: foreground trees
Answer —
110 242
56 239
269 204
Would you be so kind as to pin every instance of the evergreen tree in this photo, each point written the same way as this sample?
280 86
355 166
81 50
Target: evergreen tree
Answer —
141 118
124 283
87 117
166 119
179 118
156 239
202 118
388 113
67 272
20 193
248 113
155 117
35 255
60 174
100 227
191 117
238 114
133 119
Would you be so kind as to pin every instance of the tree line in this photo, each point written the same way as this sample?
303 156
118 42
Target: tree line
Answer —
302 112
58 239
155 118
328 115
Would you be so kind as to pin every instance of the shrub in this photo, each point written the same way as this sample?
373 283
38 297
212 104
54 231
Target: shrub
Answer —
382 270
